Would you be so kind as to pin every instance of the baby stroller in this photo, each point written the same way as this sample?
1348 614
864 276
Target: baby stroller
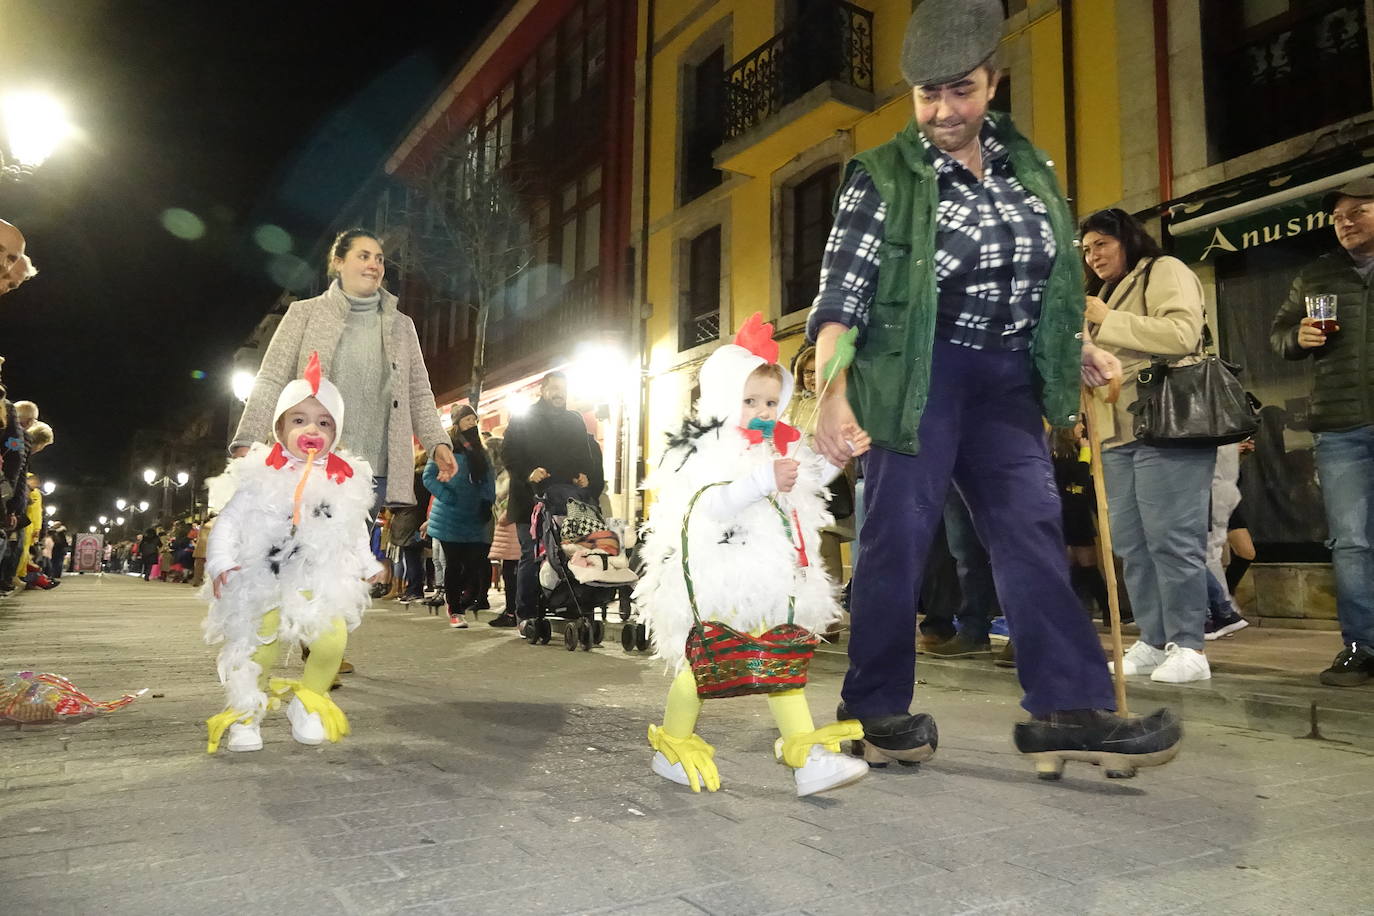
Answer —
584 568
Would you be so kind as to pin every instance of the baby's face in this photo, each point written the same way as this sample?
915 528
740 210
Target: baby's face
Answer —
306 427
761 396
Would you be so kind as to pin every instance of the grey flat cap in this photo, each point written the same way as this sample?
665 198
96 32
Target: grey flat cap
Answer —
1360 187
946 39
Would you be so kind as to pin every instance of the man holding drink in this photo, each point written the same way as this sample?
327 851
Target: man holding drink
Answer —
1329 316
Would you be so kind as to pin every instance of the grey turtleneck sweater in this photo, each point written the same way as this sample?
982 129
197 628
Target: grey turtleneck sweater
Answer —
360 371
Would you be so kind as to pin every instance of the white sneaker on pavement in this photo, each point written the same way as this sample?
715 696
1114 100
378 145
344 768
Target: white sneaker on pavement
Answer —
245 737
306 727
1141 658
1182 666
669 771
825 770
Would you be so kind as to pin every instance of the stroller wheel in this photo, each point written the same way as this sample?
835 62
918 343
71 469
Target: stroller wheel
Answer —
584 634
598 632
570 637
545 630
627 637
641 637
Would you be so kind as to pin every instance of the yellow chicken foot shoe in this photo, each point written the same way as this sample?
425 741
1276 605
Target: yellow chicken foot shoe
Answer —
686 761
816 761
242 728
314 716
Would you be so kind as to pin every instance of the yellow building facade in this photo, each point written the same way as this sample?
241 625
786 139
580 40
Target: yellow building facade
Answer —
740 184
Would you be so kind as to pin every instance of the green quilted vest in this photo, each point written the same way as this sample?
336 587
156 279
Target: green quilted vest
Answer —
890 378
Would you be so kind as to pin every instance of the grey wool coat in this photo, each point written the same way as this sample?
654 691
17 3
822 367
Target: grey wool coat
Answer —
315 325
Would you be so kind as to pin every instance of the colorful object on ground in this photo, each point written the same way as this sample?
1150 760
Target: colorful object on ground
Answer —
31 698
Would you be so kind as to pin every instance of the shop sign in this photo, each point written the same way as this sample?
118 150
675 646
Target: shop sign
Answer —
1298 217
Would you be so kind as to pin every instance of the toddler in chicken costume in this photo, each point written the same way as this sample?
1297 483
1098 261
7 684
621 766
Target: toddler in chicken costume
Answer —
287 563
740 502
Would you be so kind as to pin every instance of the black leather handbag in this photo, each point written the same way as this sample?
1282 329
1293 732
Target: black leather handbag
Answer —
1201 405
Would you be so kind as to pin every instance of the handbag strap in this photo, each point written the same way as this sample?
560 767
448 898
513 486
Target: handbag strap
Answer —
1205 341
686 567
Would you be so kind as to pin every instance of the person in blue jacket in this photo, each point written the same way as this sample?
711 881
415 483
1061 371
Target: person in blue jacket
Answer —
460 517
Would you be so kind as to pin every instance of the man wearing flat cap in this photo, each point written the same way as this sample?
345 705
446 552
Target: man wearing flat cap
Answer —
1342 414
953 254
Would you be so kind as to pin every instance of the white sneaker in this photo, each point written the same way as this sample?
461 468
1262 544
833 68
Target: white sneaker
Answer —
245 737
1182 666
825 770
670 771
306 727
1141 658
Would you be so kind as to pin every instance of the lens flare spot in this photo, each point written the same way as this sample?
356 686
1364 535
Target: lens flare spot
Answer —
183 224
197 374
272 239
290 272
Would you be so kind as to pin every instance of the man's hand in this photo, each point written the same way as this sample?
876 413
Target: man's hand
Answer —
839 437
1309 336
443 457
581 481
1096 310
1099 366
785 474
222 578
539 475
239 451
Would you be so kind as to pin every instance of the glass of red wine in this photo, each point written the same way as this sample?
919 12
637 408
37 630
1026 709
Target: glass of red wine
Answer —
1321 308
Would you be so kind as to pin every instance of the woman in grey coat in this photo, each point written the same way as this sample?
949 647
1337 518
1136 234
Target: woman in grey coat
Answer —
368 349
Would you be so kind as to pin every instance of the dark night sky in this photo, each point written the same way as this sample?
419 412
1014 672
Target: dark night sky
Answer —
243 113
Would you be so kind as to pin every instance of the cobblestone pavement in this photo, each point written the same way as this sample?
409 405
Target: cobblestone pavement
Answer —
488 776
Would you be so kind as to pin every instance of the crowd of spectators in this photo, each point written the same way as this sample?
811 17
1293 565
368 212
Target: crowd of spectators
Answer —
32 547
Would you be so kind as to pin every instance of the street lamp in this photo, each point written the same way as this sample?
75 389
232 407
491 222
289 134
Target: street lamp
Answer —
119 520
167 482
92 529
50 509
48 487
121 504
242 384
104 519
35 123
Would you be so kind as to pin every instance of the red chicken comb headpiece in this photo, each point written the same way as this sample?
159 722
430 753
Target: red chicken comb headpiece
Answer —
757 337
312 373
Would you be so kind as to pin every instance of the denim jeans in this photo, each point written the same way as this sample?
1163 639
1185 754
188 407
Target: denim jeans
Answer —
1158 502
1218 602
1345 467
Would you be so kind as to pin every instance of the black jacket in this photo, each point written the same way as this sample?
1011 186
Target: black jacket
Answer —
1343 393
550 438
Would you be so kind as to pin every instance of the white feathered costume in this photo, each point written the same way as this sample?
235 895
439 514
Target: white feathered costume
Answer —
744 563
313 573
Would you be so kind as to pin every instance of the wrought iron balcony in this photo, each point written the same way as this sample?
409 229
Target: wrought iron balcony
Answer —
833 41
699 330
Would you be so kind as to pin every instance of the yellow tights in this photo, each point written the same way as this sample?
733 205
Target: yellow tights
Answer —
326 654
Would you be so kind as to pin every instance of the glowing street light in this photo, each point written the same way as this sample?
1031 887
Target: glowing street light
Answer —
242 383
120 520
50 509
48 487
35 125
121 504
167 482
92 529
104 519
182 477
143 505
149 475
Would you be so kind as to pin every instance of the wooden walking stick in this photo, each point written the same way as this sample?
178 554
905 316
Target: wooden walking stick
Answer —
1105 557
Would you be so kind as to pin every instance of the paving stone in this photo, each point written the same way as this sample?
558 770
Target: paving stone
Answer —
466 790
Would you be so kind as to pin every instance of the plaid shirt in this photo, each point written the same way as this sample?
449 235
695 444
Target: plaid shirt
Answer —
994 256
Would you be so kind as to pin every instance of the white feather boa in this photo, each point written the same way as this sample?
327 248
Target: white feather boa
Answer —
313 576
743 569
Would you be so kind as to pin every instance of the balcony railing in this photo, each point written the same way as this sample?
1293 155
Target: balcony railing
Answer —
833 41
699 330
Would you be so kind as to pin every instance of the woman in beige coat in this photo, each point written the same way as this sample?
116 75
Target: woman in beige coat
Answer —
1142 305
369 350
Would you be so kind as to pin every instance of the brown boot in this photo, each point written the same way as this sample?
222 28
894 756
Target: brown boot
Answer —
345 667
